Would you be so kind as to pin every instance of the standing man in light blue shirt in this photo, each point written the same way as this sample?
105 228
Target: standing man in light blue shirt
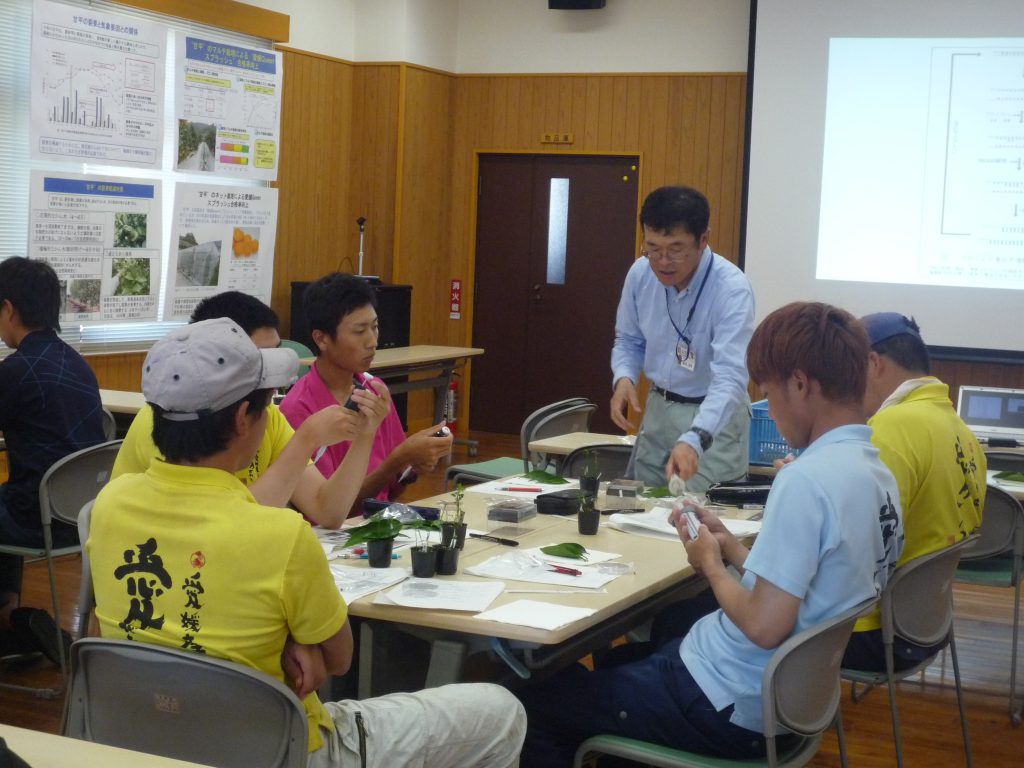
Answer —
685 318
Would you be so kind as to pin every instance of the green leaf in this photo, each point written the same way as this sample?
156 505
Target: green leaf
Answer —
540 476
568 549
658 492
375 529
1013 477
428 525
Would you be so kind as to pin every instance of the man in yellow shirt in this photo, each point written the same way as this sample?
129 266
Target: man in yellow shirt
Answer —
184 556
280 471
938 464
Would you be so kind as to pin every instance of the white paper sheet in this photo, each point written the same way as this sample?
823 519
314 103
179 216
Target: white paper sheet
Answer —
519 566
355 582
501 487
533 613
594 557
655 523
1010 486
442 594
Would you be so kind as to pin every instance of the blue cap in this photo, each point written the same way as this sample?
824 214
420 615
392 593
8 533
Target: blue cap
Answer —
884 325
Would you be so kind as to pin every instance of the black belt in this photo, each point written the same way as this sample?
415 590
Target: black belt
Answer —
672 397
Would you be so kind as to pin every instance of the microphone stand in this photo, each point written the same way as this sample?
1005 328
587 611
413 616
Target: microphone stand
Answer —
361 221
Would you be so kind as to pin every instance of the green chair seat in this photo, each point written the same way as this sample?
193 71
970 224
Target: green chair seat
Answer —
301 350
482 471
647 753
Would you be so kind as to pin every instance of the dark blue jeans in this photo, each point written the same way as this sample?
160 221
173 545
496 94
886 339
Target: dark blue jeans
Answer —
654 699
866 652
12 533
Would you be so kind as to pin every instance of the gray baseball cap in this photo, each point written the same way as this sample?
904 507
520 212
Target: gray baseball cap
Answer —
206 366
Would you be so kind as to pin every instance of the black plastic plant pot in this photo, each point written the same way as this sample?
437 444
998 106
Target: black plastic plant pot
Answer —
588 520
378 552
455 531
589 486
424 561
447 561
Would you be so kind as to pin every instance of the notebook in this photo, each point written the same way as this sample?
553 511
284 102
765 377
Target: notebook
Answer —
993 413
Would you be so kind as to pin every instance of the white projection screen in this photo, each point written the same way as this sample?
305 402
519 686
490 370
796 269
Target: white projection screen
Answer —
887 163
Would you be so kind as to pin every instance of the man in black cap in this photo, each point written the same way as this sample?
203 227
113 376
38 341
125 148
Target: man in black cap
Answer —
938 463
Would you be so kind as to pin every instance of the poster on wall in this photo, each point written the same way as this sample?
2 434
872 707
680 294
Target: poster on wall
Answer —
97 82
228 109
222 239
101 235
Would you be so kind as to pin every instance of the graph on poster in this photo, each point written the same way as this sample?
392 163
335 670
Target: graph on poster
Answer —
98 88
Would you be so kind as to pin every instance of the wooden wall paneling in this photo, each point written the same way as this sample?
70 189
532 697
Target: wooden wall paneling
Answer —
422 242
731 168
118 371
712 171
957 373
312 236
224 14
620 115
373 170
700 162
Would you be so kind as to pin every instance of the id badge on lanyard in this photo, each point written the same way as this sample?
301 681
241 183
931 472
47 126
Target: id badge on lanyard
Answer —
685 357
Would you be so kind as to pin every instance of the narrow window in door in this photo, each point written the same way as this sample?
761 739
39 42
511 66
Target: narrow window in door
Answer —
558 223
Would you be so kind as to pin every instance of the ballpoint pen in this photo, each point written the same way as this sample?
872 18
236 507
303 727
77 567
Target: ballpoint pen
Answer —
564 569
495 539
519 489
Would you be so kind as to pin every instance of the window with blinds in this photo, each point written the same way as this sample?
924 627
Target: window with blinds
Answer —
15 165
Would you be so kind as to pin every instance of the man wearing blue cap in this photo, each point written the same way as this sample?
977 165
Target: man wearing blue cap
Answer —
938 463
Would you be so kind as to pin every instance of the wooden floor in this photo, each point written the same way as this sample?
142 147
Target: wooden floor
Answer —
930 724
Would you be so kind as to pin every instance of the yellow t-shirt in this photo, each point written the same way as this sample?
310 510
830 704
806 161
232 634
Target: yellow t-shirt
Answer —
173 566
138 449
939 468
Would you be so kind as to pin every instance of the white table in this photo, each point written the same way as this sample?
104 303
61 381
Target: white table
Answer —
663 576
47 750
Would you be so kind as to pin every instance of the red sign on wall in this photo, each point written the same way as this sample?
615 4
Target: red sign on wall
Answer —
455 300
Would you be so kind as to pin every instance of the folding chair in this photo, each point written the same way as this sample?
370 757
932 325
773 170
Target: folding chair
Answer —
183 705
64 489
799 693
917 605
109 425
994 560
611 460
493 469
302 351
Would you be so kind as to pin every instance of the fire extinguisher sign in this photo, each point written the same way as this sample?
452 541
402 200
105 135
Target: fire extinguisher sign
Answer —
455 301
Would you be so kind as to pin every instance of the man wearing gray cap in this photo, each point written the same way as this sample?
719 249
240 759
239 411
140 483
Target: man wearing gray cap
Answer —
173 564
938 464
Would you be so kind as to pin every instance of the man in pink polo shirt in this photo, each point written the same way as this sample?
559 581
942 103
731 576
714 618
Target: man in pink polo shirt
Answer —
342 318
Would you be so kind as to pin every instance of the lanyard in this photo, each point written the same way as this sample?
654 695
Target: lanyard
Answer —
693 308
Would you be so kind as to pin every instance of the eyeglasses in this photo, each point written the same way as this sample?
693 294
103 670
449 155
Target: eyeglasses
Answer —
673 254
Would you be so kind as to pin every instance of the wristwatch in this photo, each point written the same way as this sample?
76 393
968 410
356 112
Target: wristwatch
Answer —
705 437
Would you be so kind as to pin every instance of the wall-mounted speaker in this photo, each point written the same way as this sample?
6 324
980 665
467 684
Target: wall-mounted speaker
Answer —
575 5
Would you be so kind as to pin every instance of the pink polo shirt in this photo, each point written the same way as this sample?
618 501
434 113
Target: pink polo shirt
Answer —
310 394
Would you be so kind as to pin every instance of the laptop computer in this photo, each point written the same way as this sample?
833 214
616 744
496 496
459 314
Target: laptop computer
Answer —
993 414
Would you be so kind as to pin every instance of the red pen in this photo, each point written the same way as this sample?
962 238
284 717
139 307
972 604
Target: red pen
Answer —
519 489
565 570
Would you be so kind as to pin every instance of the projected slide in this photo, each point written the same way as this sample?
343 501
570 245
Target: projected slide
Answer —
923 165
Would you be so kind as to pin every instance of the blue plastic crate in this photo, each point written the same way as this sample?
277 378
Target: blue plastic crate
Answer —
766 444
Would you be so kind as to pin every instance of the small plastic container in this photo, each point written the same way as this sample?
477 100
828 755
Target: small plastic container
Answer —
623 494
512 511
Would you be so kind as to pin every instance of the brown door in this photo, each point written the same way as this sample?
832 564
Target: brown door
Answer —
547 325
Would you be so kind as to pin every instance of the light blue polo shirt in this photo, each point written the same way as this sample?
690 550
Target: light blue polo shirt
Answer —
831 536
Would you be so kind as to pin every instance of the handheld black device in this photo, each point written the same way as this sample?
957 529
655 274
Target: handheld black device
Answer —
351 404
